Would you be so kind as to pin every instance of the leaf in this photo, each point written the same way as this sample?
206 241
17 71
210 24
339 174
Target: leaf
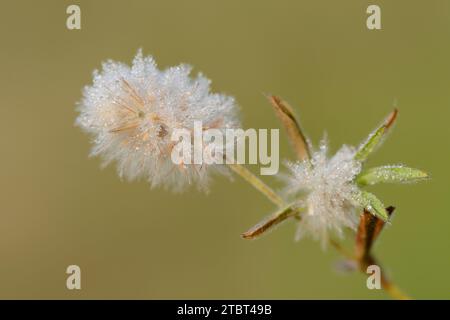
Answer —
372 204
390 174
298 140
368 230
270 222
375 138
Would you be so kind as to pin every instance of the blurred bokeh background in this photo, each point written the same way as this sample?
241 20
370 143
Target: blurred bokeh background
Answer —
58 208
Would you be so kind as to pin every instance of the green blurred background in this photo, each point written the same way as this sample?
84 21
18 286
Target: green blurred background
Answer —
58 208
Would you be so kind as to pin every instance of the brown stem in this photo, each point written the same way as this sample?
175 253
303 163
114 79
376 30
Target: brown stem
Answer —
390 287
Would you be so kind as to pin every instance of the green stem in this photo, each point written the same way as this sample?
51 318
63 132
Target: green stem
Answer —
257 183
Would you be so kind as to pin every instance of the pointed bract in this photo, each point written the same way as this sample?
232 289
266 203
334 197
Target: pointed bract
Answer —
368 230
296 136
372 204
390 174
375 138
270 222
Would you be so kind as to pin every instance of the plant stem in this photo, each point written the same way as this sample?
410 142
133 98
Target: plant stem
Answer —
394 291
257 183
391 288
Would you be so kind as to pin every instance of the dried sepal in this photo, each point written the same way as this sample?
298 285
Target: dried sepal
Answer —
368 230
372 204
376 137
286 114
390 174
270 222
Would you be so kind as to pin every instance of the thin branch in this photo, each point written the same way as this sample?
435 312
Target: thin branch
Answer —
257 183
390 287
272 221
368 231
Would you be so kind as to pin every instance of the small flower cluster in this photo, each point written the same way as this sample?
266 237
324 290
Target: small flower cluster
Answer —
132 111
325 193
329 191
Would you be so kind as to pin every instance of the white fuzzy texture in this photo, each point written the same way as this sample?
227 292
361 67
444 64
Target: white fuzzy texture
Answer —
131 113
328 190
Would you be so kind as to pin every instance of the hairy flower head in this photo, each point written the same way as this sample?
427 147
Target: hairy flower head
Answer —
131 112
325 194
328 191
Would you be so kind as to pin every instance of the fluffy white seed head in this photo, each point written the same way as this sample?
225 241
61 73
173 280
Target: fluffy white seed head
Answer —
131 113
327 189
